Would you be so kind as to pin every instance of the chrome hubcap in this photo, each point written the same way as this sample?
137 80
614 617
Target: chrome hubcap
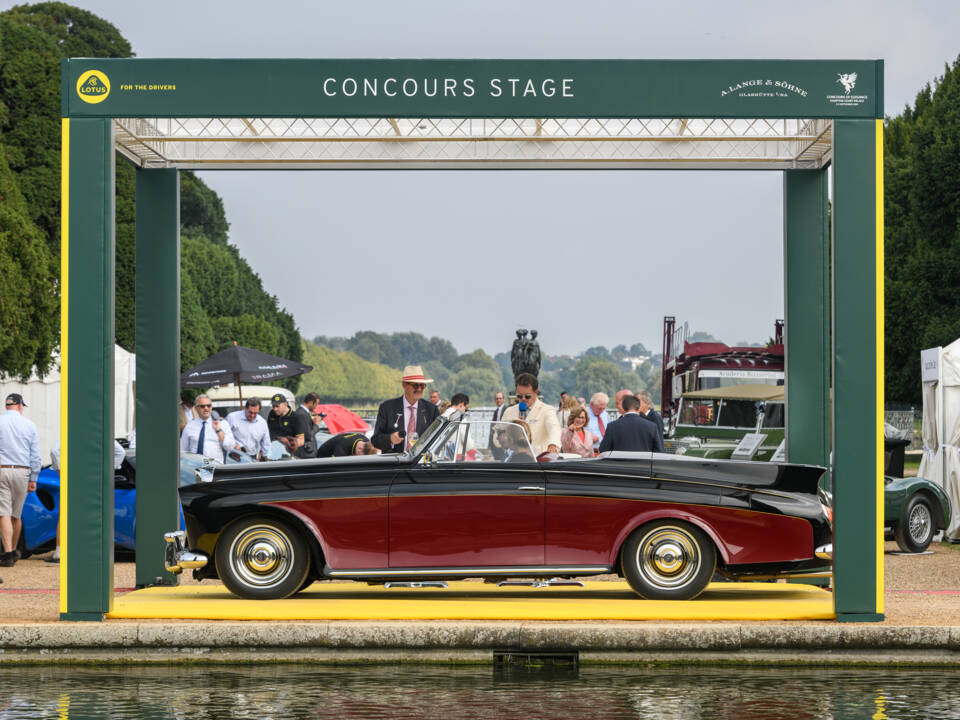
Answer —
261 556
920 522
668 557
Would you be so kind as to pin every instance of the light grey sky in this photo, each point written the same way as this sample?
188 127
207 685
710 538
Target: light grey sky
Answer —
585 257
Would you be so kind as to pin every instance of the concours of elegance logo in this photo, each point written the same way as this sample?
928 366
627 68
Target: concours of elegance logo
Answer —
849 81
848 99
93 86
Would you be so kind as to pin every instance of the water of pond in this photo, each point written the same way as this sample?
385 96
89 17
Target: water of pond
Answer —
295 691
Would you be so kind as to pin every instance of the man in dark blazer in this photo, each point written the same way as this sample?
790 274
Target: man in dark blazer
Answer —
647 411
398 419
631 431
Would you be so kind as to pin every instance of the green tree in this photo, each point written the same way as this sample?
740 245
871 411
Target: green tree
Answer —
477 359
479 384
29 325
218 287
596 374
922 232
33 39
196 333
343 377
201 210
246 330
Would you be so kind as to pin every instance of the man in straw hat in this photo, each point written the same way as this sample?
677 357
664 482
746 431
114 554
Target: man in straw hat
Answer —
401 419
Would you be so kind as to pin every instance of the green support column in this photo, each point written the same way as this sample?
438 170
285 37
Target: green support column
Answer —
806 259
158 368
86 343
858 369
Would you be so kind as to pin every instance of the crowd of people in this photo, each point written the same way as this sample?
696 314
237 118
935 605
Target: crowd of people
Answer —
575 426
247 434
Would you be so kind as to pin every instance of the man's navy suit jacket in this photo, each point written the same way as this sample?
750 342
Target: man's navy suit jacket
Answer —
655 418
632 432
390 420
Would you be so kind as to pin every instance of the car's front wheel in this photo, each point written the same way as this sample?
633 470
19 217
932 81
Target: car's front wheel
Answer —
668 560
916 527
262 558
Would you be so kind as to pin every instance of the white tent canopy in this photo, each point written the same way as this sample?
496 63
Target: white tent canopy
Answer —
43 400
941 425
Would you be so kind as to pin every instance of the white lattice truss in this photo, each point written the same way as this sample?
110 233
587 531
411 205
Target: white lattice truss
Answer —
203 143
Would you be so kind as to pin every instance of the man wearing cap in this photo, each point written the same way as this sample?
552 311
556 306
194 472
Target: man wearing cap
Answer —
205 435
290 428
402 418
19 468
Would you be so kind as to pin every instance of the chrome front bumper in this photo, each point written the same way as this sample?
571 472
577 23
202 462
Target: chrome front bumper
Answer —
177 557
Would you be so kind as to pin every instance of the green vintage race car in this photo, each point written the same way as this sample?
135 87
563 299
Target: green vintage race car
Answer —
711 423
914 509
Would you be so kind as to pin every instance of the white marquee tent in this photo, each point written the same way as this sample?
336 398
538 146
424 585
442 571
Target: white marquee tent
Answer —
43 400
941 425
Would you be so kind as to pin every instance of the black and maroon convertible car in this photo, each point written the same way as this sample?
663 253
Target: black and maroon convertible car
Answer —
470 500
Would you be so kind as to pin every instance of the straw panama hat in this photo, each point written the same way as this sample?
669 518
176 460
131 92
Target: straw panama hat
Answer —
414 374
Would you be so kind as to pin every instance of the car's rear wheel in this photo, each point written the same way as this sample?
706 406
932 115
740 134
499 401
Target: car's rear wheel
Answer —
668 560
262 558
916 527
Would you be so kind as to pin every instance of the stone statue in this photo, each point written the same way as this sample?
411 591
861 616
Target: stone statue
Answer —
517 359
525 354
533 354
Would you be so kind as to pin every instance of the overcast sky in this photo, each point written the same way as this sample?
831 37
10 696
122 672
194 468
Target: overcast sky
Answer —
585 257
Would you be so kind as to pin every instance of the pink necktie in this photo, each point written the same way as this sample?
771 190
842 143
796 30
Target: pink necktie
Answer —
411 426
600 425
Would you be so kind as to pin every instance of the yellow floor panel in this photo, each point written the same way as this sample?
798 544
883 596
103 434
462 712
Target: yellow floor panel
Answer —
476 601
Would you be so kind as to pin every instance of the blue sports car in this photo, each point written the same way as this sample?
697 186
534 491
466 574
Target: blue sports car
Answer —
41 510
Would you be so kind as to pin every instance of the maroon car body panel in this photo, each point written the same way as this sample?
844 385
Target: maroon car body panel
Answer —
437 515
352 531
442 531
590 531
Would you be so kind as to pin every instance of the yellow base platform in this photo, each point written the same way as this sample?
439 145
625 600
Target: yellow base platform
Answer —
476 601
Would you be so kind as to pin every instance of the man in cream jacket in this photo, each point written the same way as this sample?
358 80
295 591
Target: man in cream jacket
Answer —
542 418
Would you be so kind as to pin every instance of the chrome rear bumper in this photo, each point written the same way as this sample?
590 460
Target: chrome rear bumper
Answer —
177 557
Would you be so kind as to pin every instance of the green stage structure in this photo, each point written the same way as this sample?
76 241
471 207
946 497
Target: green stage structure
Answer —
806 119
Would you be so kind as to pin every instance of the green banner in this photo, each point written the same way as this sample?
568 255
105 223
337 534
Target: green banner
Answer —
473 88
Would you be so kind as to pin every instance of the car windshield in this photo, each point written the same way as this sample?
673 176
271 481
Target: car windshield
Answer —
424 440
738 413
699 411
468 441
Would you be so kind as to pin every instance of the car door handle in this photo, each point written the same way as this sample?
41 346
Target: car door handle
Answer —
533 488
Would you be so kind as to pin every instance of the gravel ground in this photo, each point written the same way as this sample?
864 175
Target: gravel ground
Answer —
920 589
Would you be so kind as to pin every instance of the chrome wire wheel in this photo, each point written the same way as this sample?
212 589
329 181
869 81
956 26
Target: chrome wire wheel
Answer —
668 557
262 558
916 526
668 560
920 523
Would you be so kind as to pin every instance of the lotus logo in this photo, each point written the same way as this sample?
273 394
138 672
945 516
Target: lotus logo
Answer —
848 81
93 86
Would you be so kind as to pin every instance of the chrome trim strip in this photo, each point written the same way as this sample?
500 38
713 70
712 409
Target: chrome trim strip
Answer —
706 483
521 571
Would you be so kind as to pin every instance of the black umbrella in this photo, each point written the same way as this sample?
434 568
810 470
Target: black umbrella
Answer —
239 364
